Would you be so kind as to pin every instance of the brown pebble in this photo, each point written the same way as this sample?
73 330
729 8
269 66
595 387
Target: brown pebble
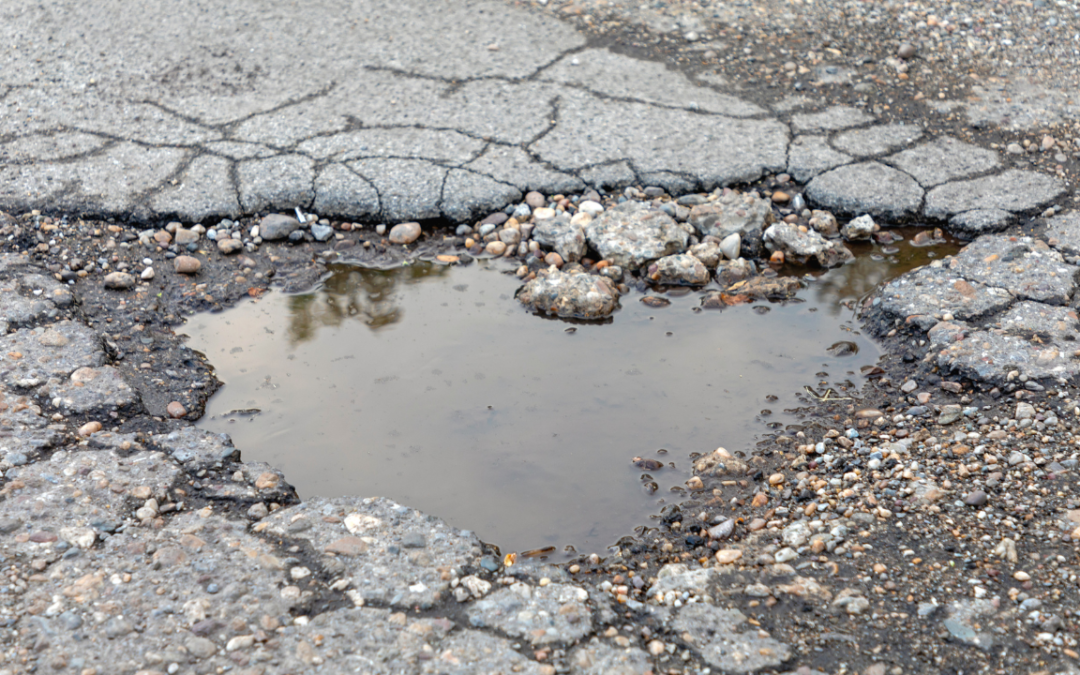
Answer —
185 264
176 410
553 258
777 258
404 233
780 197
495 248
89 428
760 499
906 51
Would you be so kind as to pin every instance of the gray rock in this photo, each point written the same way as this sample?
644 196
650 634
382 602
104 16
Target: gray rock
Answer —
742 213
729 272
812 155
570 295
709 253
320 232
796 534
681 269
824 222
1014 190
552 613
1025 267
831 119
276 226
559 234
632 234
943 159
876 140
799 246
715 636
859 229
971 224
867 187
919 297
963 615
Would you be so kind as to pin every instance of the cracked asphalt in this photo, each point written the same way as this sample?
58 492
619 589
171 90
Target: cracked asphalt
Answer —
146 546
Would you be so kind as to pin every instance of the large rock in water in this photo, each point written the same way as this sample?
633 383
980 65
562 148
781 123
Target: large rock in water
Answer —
681 269
558 233
801 246
570 295
632 234
745 214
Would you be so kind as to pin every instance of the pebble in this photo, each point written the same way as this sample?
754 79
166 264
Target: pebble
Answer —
728 555
90 428
906 51
229 246
147 274
175 410
119 281
495 248
276 226
405 233
185 264
535 200
975 498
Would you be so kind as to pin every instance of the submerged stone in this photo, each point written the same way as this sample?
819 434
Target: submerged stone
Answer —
681 269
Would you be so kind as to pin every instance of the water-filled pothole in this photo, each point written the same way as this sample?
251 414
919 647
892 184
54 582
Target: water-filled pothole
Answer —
432 386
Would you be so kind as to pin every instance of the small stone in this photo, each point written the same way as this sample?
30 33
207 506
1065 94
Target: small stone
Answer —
277 226
728 555
349 545
405 233
760 499
776 479
495 248
176 410
535 200
267 481
1021 576
184 237
656 647
780 197
731 245
89 428
119 281
553 258
975 498
185 264
147 274
906 51
229 246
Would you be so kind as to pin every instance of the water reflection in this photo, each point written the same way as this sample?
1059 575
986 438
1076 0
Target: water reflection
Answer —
874 264
370 296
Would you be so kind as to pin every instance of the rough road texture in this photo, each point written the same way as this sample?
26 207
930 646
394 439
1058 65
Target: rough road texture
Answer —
391 119
131 543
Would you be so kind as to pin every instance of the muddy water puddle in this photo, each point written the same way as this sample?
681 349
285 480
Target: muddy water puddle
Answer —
432 386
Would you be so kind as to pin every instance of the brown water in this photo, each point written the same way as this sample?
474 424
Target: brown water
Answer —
432 386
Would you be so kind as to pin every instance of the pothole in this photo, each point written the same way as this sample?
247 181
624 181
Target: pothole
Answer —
430 385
